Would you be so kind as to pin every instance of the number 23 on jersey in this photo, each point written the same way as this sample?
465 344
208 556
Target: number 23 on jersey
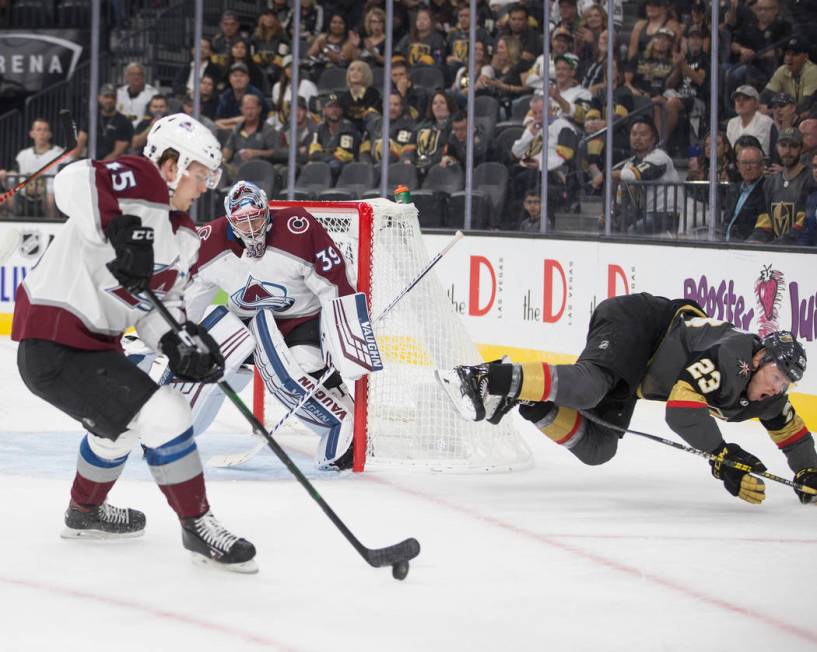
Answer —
707 377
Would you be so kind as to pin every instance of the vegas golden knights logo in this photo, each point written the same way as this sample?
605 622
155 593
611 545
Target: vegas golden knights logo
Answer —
427 141
420 53
460 49
782 217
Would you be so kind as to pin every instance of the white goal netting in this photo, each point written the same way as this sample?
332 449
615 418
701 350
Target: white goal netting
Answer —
410 421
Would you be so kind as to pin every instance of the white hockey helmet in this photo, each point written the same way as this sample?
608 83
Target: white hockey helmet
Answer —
191 139
248 214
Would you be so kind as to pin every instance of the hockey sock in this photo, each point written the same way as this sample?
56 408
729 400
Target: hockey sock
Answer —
95 476
563 425
176 467
538 382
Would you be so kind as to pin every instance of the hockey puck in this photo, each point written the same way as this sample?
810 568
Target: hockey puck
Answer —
400 570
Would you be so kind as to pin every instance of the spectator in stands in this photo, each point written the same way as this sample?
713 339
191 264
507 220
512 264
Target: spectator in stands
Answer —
335 141
208 97
454 152
306 127
569 16
431 135
783 110
659 15
228 114
282 91
443 15
361 101
240 53
230 33
312 20
374 41
797 76
184 81
423 46
698 22
727 169
414 97
36 199
506 84
250 138
689 83
808 236
113 130
593 23
595 70
270 43
568 98
401 135
757 35
457 47
749 120
157 108
530 41
594 156
187 107
640 211
282 11
561 42
808 129
132 98
460 86
532 210
785 193
652 74
744 202
335 47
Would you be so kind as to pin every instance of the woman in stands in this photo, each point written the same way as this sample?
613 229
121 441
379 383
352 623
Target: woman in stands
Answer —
335 47
432 135
282 94
423 46
361 101
460 86
660 14
374 43
507 83
270 44
594 22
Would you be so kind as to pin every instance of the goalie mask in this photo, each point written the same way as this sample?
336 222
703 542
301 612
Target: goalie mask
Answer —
248 215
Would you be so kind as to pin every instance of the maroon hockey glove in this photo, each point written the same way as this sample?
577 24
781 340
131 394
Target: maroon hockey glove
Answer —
133 244
739 483
187 362
807 477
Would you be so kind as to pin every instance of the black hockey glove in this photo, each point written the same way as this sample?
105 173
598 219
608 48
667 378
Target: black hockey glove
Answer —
133 243
807 477
739 483
187 362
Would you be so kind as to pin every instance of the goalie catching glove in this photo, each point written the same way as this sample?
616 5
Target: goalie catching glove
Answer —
133 244
347 337
807 477
739 483
189 362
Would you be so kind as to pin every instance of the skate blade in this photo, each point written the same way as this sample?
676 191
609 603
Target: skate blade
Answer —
98 535
245 567
450 382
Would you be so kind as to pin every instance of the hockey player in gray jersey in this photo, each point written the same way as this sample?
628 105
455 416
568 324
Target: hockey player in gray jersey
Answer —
643 346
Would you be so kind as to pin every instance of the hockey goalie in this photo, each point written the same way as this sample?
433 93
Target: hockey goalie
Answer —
292 310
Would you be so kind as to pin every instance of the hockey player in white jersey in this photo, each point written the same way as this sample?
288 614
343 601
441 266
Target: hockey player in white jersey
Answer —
128 230
285 277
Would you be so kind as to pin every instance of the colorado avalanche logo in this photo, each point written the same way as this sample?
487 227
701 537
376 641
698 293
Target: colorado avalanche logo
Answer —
164 278
256 295
205 232
297 224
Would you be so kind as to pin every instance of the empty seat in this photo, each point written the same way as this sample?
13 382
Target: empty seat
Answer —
315 177
492 180
432 199
520 107
502 143
355 179
332 80
480 210
486 106
400 174
261 173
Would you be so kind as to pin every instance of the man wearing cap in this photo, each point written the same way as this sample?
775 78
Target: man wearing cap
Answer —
561 42
113 130
797 76
785 194
568 98
132 98
783 111
749 120
228 114
335 141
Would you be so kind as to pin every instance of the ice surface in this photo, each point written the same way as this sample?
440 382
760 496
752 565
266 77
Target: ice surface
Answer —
647 552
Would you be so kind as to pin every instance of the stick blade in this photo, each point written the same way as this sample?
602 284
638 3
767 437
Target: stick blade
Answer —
69 129
403 551
235 459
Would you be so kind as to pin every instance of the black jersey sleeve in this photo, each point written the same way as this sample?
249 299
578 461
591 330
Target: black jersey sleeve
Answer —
789 432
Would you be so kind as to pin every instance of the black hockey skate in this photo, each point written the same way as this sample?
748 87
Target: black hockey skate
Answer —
213 545
467 387
103 522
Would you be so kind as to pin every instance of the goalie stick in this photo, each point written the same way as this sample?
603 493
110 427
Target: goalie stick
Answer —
235 459
396 556
695 451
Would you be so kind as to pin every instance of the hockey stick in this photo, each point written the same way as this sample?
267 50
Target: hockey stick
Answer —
695 451
70 130
396 556
235 459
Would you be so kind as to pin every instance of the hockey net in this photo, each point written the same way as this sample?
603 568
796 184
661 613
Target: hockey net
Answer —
402 417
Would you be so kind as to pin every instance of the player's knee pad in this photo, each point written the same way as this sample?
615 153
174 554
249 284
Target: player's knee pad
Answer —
112 449
165 416
597 446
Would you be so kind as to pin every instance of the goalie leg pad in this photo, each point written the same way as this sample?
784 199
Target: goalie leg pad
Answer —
328 414
347 337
